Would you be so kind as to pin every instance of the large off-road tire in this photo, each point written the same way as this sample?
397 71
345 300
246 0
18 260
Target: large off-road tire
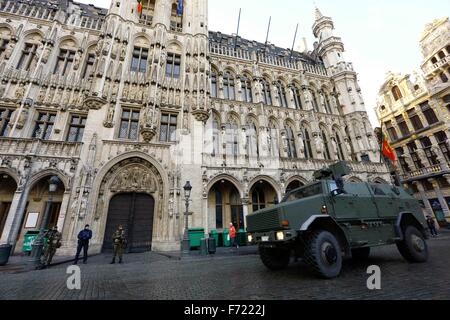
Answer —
274 258
413 247
323 254
361 254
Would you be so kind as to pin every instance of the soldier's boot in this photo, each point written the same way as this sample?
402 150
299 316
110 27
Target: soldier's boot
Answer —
113 260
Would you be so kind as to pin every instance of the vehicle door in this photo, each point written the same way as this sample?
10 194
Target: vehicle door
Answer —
387 203
344 203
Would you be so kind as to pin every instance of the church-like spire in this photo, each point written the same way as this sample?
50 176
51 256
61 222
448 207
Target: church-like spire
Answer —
318 14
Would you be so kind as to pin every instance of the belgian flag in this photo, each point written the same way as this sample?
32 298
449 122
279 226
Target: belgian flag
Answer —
387 149
139 7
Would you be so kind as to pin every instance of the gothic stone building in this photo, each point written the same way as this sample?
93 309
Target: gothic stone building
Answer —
415 113
124 108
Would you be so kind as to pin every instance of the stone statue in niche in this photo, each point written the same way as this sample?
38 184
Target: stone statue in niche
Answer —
20 92
76 60
9 49
320 147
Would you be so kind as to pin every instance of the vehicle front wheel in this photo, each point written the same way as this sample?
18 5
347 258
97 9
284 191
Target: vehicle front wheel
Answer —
360 254
274 258
323 254
413 246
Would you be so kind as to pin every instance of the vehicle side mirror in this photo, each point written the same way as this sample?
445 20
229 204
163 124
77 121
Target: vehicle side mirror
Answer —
335 192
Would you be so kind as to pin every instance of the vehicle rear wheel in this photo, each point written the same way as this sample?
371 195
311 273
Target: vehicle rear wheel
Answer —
413 246
323 254
274 258
361 254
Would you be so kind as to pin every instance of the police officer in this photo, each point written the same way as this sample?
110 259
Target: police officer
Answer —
83 243
53 242
119 242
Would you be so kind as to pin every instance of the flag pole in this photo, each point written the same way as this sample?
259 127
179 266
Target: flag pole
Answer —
237 32
293 43
267 36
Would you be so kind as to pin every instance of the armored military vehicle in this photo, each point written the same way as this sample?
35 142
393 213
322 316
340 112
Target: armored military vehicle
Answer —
330 219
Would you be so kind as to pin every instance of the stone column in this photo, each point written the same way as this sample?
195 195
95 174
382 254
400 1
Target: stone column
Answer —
419 186
5 236
441 198
63 211
245 204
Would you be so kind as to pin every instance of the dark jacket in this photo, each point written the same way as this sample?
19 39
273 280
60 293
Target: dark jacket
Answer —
85 235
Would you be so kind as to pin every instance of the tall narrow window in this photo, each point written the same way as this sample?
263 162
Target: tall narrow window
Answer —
89 65
396 93
400 155
237 210
443 77
129 123
27 56
292 152
339 146
173 65
402 125
219 209
297 98
232 139
76 128
168 128
228 86
441 138
391 130
429 113
267 95
246 89
258 199
431 156
281 94
412 147
64 61
307 143
415 119
327 103
327 145
5 118
214 84
139 59
44 125
314 101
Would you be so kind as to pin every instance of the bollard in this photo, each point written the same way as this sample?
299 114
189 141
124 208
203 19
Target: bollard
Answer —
203 247
211 245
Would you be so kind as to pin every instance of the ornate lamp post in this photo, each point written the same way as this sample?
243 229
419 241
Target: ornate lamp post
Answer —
187 194
38 244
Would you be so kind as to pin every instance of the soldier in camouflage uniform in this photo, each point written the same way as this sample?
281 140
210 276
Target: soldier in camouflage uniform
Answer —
52 243
119 242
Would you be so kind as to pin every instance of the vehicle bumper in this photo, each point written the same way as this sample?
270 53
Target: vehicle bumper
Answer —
278 236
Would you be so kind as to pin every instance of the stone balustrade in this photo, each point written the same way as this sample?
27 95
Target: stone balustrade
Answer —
38 147
426 171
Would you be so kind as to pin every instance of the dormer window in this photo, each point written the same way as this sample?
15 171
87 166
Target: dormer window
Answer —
396 93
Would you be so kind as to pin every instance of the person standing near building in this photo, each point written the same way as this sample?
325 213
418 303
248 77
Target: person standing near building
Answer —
119 242
432 226
83 243
53 242
232 234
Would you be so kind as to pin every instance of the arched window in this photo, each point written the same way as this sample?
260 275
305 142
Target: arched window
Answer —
314 101
281 91
216 133
246 89
214 84
267 95
232 139
307 143
258 199
228 86
252 140
441 54
297 98
273 140
326 144
28 57
443 77
292 152
327 103
237 211
339 146
396 93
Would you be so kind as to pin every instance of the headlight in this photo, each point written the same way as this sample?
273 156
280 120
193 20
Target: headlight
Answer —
250 238
280 235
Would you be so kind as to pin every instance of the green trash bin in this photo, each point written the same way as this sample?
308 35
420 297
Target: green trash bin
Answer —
28 239
214 234
226 240
195 236
241 237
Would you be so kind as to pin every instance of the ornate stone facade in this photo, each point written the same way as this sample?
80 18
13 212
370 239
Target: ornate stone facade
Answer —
113 103
415 113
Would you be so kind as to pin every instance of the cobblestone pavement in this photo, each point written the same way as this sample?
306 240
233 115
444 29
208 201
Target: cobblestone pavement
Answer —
153 276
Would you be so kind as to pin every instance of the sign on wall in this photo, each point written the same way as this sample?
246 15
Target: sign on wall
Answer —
32 220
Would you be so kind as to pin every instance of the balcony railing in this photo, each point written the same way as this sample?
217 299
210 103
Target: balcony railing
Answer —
160 152
229 52
442 63
27 10
37 147
426 172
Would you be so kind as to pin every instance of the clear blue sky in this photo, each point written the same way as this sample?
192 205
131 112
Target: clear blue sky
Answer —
379 35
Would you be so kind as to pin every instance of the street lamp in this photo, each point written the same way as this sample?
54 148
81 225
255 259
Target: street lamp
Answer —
187 194
38 244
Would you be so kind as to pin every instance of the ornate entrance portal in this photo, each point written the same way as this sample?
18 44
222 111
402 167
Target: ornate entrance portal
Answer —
134 211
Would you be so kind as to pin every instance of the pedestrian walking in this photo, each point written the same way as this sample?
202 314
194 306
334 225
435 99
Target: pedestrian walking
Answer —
119 242
83 243
232 234
53 242
432 226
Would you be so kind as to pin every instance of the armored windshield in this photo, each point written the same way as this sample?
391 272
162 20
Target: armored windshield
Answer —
304 192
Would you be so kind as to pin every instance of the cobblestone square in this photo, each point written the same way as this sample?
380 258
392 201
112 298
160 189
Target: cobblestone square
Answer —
151 276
